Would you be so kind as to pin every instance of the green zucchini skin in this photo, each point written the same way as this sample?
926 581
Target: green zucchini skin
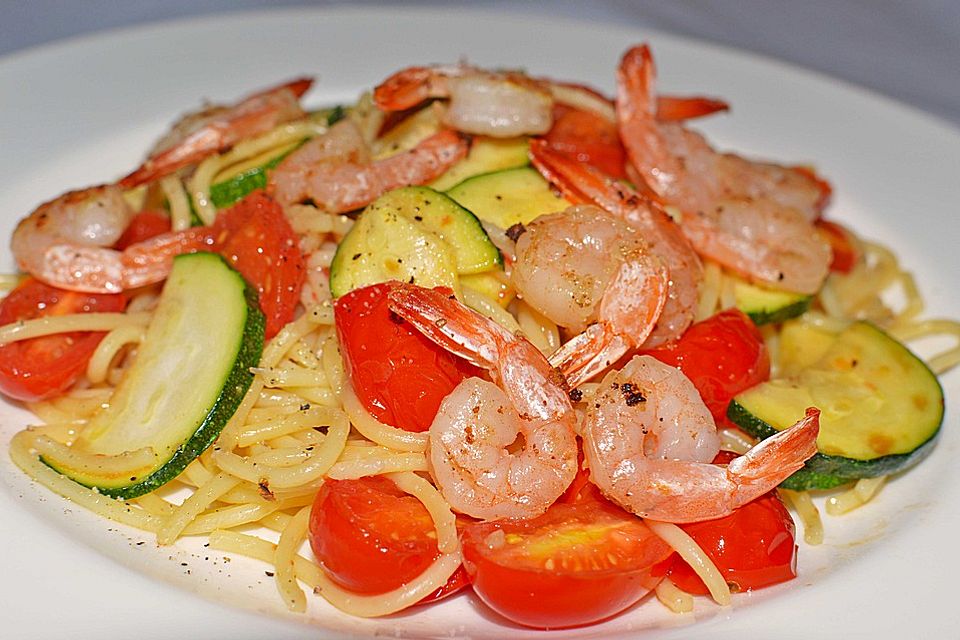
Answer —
231 394
768 306
871 389
824 471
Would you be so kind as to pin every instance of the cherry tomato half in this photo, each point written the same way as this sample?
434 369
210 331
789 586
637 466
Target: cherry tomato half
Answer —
255 237
845 252
753 547
399 375
143 226
722 355
574 565
44 367
370 537
587 137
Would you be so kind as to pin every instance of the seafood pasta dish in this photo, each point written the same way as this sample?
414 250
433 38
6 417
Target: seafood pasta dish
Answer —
479 332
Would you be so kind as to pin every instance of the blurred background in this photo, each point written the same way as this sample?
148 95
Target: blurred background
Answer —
909 51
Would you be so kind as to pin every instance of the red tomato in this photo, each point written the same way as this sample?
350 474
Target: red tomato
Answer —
753 547
370 537
255 237
587 137
722 355
143 226
574 565
399 375
845 252
44 367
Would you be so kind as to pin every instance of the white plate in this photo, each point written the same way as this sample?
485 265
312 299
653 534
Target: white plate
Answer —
84 111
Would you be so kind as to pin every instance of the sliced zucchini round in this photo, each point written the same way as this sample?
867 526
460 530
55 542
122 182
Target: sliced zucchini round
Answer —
768 306
881 406
508 197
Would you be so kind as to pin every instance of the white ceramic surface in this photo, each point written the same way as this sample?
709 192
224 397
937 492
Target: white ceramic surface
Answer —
84 111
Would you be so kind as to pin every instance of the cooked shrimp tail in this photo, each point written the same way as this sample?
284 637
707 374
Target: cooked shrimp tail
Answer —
672 108
216 129
503 450
775 459
629 310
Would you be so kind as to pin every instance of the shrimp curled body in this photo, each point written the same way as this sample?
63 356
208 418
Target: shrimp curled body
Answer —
501 449
649 441
594 275
66 243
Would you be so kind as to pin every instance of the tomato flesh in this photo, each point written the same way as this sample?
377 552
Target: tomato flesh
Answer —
44 367
587 137
753 547
845 252
722 355
370 537
576 564
143 226
256 238
400 376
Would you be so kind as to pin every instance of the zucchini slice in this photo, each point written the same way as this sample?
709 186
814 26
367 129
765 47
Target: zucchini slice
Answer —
486 155
881 406
768 306
413 234
185 384
508 197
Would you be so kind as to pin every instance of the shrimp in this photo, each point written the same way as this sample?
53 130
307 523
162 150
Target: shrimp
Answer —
336 171
505 449
754 218
501 105
508 104
582 183
590 273
649 439
215 129
65 243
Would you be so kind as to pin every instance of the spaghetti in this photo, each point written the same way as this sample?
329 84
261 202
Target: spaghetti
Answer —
301 422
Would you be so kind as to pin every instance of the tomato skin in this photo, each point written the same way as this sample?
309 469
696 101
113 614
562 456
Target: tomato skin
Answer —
845 252
722 355
400 376
44 367
257 240
587 137
576 541
753 547
143 226
370 537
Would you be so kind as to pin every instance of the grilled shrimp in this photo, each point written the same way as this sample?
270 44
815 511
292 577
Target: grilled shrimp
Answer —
501 449
507 104
336 170
501 105
592 274
649 440
754 218
582 183
215 129
66 243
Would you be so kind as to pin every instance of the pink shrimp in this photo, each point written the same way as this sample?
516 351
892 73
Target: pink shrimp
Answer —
66 243
754 218
649 441
215 129
582 183
336 172
496 450
481 102
592 274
